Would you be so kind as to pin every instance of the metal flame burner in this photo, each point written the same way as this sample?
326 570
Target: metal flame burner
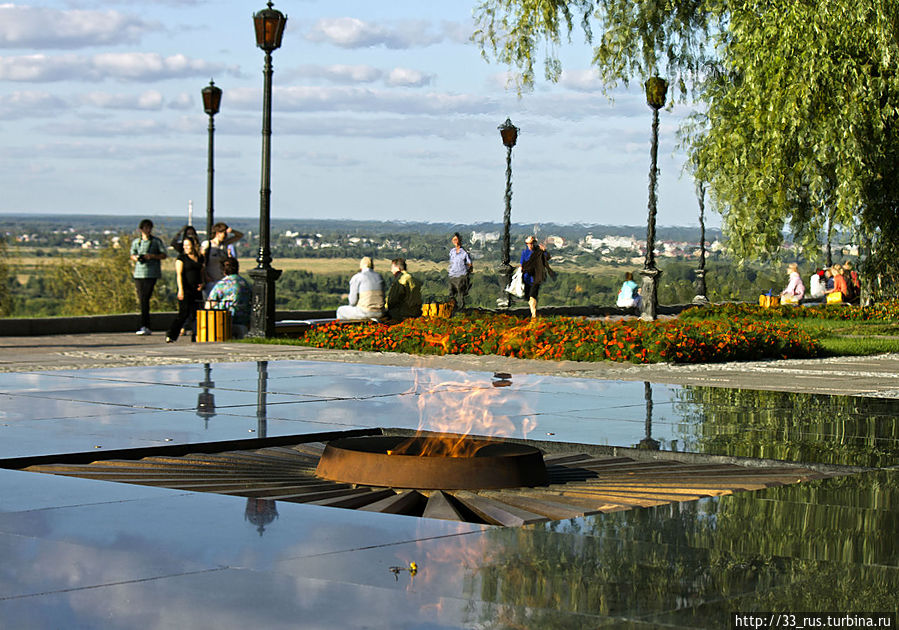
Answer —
495 464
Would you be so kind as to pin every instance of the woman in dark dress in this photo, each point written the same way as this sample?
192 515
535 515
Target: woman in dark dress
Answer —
190 272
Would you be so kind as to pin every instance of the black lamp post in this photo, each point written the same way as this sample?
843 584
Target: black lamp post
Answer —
656 89
509 133
269 24
212 100
700 271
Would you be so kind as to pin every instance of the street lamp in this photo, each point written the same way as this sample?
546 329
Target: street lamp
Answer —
700 272
269 24
656 89
212 100
509 133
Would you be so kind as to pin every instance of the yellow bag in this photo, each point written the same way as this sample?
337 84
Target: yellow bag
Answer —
835 298
767 301
213 325
443 310
789 300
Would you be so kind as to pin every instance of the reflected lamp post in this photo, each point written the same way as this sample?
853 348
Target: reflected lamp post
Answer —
212 100
656 90
648 443
509 134
700 271
269 25
261 399
206 399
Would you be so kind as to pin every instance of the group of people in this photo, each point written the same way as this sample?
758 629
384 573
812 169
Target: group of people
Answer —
206 273
837 283
367 298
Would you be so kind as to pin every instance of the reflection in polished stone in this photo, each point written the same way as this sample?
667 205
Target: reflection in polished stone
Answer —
844 430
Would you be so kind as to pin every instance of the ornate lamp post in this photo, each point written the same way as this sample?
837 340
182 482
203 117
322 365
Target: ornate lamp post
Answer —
656 89
269 24
700 272
212 99
509 133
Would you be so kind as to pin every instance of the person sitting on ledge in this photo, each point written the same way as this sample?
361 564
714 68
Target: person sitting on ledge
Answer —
366 297
233 293
629 295
795 290
404 296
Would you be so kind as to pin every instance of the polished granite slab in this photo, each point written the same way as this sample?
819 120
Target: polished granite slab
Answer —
81 553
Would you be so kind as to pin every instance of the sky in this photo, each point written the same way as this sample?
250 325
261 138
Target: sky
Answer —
381 110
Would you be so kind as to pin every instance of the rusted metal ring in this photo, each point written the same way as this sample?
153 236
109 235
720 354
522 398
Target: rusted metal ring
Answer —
495 464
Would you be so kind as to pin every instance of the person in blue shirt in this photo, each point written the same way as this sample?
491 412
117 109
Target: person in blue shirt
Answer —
460 269
629 295
233 293
535 267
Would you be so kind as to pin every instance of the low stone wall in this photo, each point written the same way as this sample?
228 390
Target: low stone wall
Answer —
125 322
130 322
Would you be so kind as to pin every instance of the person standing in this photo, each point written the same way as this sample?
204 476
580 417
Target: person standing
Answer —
366 297
233 293
215 251
146 253
178 241
404 297
460 269
535 267
189 273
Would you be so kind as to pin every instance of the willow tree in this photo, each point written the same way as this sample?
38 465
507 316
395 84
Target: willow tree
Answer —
796 123
800 126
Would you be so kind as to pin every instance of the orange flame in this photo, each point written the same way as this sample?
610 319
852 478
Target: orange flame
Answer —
461 408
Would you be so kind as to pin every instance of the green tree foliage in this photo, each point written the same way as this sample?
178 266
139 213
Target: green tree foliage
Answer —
6 306
635 39
101 282
799 125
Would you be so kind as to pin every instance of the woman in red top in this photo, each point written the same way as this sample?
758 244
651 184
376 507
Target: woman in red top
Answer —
839 283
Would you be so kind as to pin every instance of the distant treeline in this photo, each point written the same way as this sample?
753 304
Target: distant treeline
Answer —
166 225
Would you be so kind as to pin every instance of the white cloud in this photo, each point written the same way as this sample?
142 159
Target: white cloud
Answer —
409 78
364 100
149 100
27 104
109 128
581 80
181 101
42 68
348 32
42 28
337 73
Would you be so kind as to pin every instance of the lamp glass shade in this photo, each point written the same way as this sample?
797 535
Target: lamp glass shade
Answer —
656 91
509 133
269 24
212 98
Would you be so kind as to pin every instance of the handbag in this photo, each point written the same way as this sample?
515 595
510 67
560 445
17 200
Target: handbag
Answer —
835 298
516 287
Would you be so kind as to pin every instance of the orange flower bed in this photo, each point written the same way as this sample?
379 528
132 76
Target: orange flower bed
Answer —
564 338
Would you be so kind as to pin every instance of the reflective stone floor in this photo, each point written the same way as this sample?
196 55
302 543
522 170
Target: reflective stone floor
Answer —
78 553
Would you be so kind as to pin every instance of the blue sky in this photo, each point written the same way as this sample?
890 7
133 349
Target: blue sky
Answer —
381 110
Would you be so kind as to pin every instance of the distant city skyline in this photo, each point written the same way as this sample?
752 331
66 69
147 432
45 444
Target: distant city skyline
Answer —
380 111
